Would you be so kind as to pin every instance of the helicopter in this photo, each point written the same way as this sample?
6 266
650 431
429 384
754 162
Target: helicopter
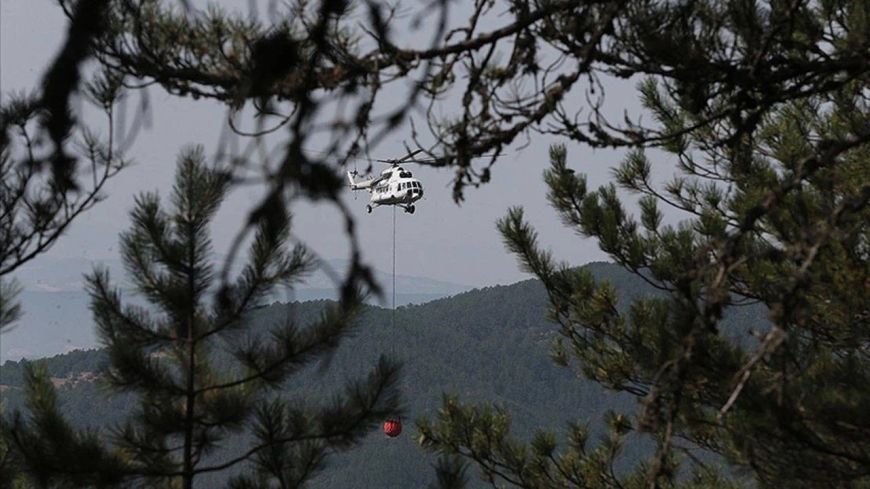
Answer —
394 186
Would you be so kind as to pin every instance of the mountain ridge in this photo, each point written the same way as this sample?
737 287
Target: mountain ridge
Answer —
57 316
50 274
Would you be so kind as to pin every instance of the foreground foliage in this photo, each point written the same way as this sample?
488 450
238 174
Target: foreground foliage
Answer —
779 218
194 416
763 105
514 66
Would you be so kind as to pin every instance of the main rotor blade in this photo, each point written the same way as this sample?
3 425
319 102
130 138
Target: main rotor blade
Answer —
432 160
395 161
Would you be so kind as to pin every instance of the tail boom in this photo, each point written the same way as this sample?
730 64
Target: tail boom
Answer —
354 185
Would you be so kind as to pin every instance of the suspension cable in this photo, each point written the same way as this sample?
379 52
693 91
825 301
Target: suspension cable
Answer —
393 326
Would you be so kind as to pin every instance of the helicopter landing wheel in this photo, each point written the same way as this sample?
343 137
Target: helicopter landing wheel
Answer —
368 209
411 209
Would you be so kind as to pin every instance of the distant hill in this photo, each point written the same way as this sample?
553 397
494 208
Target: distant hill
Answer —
49 274
487 344
57 318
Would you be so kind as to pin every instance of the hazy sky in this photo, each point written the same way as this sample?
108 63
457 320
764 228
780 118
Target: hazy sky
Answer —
441 240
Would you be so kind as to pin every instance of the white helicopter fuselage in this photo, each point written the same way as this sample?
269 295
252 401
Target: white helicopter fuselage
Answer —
394 186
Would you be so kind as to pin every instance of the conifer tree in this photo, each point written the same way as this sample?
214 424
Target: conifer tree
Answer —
777 218
212 391
772 196
40 198
39 202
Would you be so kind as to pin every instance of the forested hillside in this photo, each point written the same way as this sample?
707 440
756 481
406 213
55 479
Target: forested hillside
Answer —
489 344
